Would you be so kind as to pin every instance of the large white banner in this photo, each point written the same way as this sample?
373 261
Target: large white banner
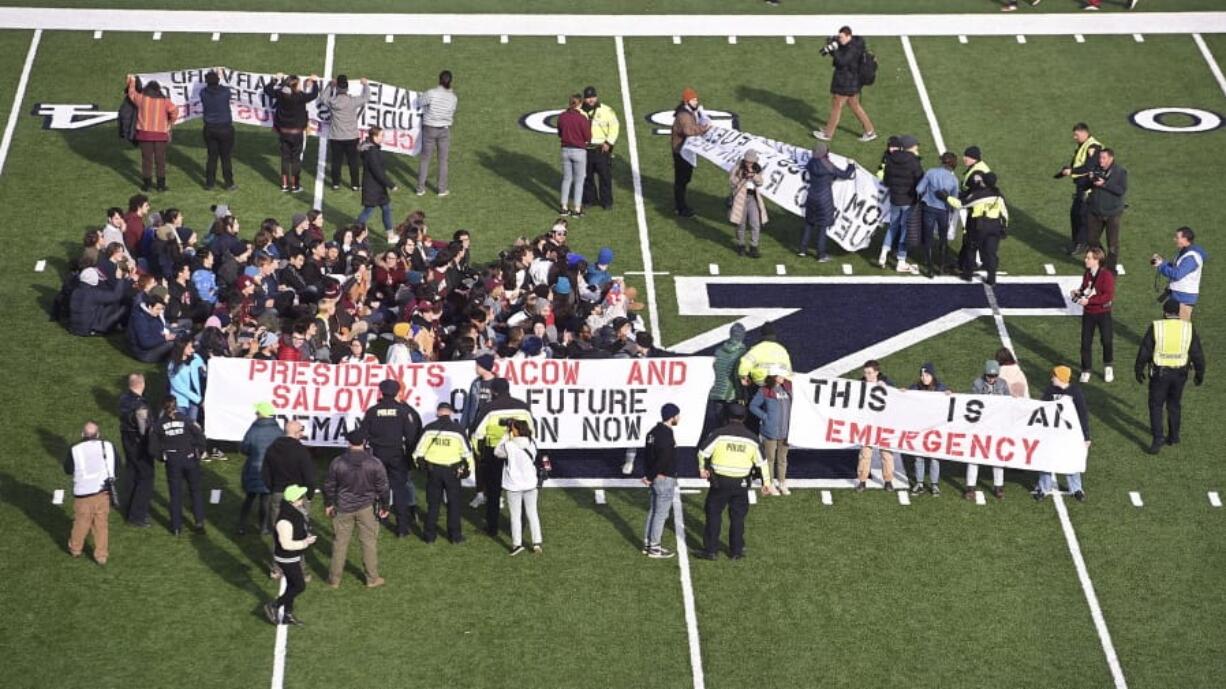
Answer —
830 413
862 204
600 403
396 110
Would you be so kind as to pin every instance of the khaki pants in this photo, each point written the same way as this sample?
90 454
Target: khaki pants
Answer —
368 534
777 458
90 514
1185 312
836 112
866 463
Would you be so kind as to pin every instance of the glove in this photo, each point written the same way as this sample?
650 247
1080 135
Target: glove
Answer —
1200 378
942 194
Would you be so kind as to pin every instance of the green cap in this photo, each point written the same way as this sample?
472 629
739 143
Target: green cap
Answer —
265 409
294 493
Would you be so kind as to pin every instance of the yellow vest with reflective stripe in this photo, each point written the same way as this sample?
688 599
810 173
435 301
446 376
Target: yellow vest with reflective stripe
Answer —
1172 340
979 166
605 127
442 447
990 207
1079 158
734 456
755 363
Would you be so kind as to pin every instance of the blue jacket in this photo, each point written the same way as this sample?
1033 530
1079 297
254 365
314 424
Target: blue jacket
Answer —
186 381
95 308
260 435
773 406
216 105
934 180
144 330
205 282
1174 270
819 204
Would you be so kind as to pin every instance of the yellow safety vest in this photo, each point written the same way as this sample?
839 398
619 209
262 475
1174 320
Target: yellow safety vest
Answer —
755 363
734 456
1172 340
442 447
992 207
979 166
605 126
1079 158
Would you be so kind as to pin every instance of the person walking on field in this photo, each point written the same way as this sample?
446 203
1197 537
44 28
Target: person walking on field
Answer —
848 54
290 121
438 106
155 116
292 536
575 131
343 129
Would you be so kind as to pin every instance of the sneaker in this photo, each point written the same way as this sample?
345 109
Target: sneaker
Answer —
917 488
270 611
288 618
376 583
218 455
998 492
536 549
354 187
1038 495
647 548
1078 249
904 267
824 259
936 491
860 487
628 466
1080 496
231 187
1035 3
574 214
888 486
686 212
783 489
1170 440
516 550
753 252
802 253
660 553
1155 447
705 555
444 194
336 187
334 585
296 188
1085 377
740 249
882 258
421 192
478 501
1091 8
393 238
867 137
1109 374
820 135
1009 8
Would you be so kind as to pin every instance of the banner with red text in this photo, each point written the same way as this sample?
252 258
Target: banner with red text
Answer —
394 109
830 413
600 403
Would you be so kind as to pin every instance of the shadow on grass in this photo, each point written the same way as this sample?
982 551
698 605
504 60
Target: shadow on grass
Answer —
35 503
527 172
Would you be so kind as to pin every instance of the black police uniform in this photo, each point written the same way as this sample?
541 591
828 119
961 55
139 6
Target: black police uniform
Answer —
180 443
1166 385
135 420
392 428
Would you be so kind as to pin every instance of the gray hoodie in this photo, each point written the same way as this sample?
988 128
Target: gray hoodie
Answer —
346 112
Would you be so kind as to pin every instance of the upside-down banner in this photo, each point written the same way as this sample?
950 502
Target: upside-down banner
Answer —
603 403
396 110
830 413
862 204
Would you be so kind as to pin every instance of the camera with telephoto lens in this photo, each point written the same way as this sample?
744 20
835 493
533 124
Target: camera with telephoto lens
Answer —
108 485
832 44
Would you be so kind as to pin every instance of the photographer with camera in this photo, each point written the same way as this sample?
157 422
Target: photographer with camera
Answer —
446 456
492 424
854 68
519 478
748 207
1105 204
355 493
91 463
1085 161
1096 294
1183 271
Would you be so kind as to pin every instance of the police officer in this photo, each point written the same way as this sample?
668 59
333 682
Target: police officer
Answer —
1085 161
393 427
179 442
727 458
1167 348
444 451
972 159
605 129
491 425
986 225
134 423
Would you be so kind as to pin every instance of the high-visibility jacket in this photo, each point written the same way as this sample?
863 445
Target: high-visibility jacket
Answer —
442 442
1082 155
988 213
980 167
1172 340
605 127
755 363
490 427
732 451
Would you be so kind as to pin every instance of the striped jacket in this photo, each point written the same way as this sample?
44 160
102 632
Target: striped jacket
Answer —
153 115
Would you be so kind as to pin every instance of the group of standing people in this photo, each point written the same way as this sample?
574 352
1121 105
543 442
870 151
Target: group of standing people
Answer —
588 131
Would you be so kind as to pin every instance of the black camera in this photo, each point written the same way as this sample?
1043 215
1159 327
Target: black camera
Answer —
832 44
1155 260
108 485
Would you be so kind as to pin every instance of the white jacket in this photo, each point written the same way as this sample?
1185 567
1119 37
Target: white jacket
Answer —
519 472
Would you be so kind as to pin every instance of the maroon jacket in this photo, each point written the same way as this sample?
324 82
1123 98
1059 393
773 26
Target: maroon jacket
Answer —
1104 290
574 129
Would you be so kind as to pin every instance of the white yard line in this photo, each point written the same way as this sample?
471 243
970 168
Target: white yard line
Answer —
636 176
1083 574
278 656
666 25
1213 65
15 112
687 594
321 166
938 141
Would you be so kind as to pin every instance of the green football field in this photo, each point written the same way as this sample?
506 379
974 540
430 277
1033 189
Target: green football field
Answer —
865 592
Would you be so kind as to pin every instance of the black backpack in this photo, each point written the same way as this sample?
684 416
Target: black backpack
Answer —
868 68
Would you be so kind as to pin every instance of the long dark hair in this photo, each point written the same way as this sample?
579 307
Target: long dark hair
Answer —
153 90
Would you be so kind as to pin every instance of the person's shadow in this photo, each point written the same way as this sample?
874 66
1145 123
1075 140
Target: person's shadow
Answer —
796 109
35 503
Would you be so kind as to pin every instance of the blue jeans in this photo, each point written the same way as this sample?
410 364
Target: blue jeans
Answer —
387 216
191 412
662 489
574 171
1048 484
934 470
897 231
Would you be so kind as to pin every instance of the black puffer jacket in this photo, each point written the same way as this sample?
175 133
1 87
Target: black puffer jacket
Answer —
846 80
290 107
903 172
375 182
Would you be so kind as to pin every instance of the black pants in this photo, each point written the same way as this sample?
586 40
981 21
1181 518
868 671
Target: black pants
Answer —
1077 219
245 510
295 583
491 475
139 473
344 150
733 494
291 156
989 243
1095 224
442 480
682 173
180 467
1166 389
403 496
599 163
219 140
966 254
1103 323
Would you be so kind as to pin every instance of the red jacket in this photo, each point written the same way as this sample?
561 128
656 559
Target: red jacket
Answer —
574 129
1104 290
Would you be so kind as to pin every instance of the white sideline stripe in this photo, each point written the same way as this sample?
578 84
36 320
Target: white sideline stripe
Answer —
1049 269
714 268
1079 38
641 272
938 141
561 39
847 269
216 36
600 497
812 25
636 177
687 594
827 498
1135 498
57 497
40 266
979 498
97 35
698 484
781 269
676 40
1138 38
790 40
1213 65
998 317
689 491
215 496
389 38
1087 586
273 38
903 497
1214 499
278 656
504 38
962 39
446 38
22 83
1021 39
157 35
322 164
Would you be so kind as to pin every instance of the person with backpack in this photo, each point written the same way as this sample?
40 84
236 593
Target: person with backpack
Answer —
854 68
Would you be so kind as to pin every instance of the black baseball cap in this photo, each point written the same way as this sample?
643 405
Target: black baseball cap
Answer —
589 92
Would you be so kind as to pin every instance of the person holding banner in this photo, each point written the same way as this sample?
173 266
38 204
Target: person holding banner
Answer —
819 203
1061 386
444 451
729 458
343 129
491 426
928 381
155 116
990 383
688 120
218 130
773 406
760 358
873 376
290 120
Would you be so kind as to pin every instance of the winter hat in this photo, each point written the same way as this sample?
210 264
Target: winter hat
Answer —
563 286
989 179
736 333
751 156
299 218
500 387
991 367
736 410
573 259
265 409
486 361
532 345
401 330
268 340
389 388
1170 307
1062 373
357 436
294 493
688 94
892 142
907 141
90 276
589 92
159 292
929 369
669 410
213 322
221 210
973 152
820 149
605 257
